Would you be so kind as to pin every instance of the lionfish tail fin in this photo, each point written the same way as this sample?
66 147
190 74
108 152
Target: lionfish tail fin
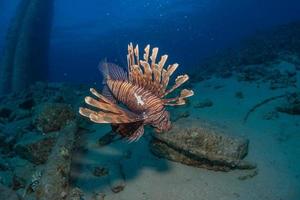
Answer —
150 73
107 111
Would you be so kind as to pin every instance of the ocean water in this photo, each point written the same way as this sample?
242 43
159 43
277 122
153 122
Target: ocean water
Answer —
237 136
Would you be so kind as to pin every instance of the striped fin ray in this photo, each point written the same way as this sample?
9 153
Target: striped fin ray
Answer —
107 93
144 74
109 112
104 117
112 71
180 100
131 131
166 74
178 82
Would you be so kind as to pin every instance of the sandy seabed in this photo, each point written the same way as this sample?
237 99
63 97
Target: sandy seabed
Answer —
274 147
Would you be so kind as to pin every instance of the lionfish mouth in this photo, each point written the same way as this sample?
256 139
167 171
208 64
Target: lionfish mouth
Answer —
142 88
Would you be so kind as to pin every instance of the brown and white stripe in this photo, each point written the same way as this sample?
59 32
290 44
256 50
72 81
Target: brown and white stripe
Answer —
141 91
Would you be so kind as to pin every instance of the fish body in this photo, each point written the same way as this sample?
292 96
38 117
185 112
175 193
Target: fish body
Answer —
141 89
142 102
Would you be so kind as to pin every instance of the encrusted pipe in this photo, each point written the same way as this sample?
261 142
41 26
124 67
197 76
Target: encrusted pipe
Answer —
54 183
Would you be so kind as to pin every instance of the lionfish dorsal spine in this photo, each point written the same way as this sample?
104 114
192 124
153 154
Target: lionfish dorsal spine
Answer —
151 75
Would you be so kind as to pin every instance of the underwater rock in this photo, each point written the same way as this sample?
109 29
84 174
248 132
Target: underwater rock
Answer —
18 183
204 103
204 146
17 128
290 109
76 194
4 166
2 138
35 147
6 178
116 177
100 171
7 144
22 114
291 105
98 196
27 104
53 117
22 169
54 183
8 194
5 112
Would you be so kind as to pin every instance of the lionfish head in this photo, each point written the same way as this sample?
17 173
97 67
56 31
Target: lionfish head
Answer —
164 124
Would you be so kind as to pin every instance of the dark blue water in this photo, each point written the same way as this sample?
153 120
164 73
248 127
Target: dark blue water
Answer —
188 30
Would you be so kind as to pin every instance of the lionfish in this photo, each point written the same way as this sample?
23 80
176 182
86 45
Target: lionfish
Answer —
134 98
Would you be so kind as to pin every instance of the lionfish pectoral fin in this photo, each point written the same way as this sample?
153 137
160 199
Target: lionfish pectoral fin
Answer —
106 117
102 105
107 111
86 112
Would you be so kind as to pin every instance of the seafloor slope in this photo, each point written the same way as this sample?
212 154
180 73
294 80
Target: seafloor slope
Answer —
32 122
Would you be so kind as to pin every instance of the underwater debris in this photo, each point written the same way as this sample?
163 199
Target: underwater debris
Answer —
100 171
203 145
292 104
142 90
261 104
35 147
75 194
53 117
22 146
98 196
33 184
54 183
116 177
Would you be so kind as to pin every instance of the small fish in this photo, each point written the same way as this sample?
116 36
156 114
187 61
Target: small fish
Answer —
141 89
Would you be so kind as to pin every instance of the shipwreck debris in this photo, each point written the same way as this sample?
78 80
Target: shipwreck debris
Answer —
54 183
204 146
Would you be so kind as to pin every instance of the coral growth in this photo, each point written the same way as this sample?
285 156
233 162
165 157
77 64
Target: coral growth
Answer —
53 117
